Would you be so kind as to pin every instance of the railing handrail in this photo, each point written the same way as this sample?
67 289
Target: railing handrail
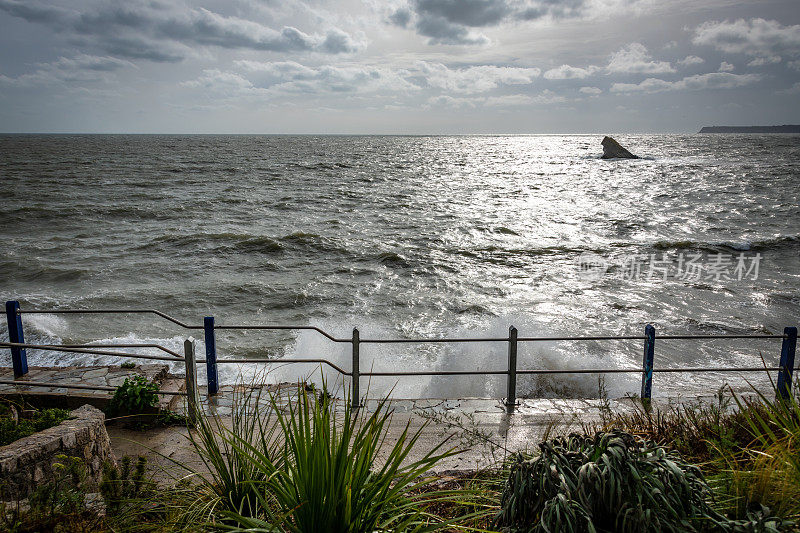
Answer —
78 349
107 311
421 340
86 348
17 345
126 345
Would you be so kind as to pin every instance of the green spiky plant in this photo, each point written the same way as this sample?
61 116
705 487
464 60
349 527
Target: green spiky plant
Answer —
231 481
613 481
337 473
303 461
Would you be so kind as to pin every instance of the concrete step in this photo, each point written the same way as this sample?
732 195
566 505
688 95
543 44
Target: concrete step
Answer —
171 402
55 392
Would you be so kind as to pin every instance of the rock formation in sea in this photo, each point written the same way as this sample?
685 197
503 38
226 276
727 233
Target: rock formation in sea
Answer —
612 149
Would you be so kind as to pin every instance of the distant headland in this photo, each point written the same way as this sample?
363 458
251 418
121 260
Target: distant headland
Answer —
786 128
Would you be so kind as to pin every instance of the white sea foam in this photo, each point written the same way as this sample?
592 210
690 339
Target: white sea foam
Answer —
47 325
478 357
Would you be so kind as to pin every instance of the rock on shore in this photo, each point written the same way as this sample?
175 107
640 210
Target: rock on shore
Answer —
612 149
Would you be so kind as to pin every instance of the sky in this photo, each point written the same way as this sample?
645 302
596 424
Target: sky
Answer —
397 66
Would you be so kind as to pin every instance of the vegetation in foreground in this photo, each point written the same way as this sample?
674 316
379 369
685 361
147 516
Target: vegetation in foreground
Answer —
135 403
613 481
747 446
314 464
309 463
17 423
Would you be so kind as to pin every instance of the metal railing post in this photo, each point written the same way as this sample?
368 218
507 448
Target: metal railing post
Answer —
192 398
511 388
211 355
647 361
788 349
19 358
355 400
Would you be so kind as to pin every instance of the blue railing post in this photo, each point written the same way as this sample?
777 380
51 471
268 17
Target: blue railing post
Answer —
19 359
788 349
356 377
211 355
647 361
511 388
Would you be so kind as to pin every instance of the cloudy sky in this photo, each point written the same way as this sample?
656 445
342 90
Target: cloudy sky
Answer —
397 66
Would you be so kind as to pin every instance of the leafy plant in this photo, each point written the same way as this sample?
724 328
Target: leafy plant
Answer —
66 493
613 481
137 395
128 364
157 420
748 446
11 429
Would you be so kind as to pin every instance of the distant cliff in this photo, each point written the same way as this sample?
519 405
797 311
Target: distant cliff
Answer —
786 128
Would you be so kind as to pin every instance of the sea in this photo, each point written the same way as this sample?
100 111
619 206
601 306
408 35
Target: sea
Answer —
410 237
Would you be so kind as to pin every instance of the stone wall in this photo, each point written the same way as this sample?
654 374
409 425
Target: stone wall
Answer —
28 462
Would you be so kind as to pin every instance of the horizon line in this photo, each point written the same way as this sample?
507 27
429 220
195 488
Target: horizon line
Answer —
347 134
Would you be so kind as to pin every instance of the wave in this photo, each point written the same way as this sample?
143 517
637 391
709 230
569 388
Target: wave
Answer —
27 213
487 252
319 166
479 357
301 237
298 242
533 252
27 271
773 243
230 242
505 231
393 259
262 244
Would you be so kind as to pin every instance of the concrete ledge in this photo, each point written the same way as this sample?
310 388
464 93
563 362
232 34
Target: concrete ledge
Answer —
67 398
28 462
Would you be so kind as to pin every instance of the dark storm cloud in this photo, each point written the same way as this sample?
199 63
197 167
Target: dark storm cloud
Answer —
33 12
475 13
207 28
165 33
81 69
442 31
451 21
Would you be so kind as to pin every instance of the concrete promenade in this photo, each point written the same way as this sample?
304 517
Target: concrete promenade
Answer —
483 429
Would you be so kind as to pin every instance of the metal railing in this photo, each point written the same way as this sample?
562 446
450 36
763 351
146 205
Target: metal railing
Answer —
17 345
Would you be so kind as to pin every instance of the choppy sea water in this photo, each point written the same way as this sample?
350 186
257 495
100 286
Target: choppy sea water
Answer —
409 237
